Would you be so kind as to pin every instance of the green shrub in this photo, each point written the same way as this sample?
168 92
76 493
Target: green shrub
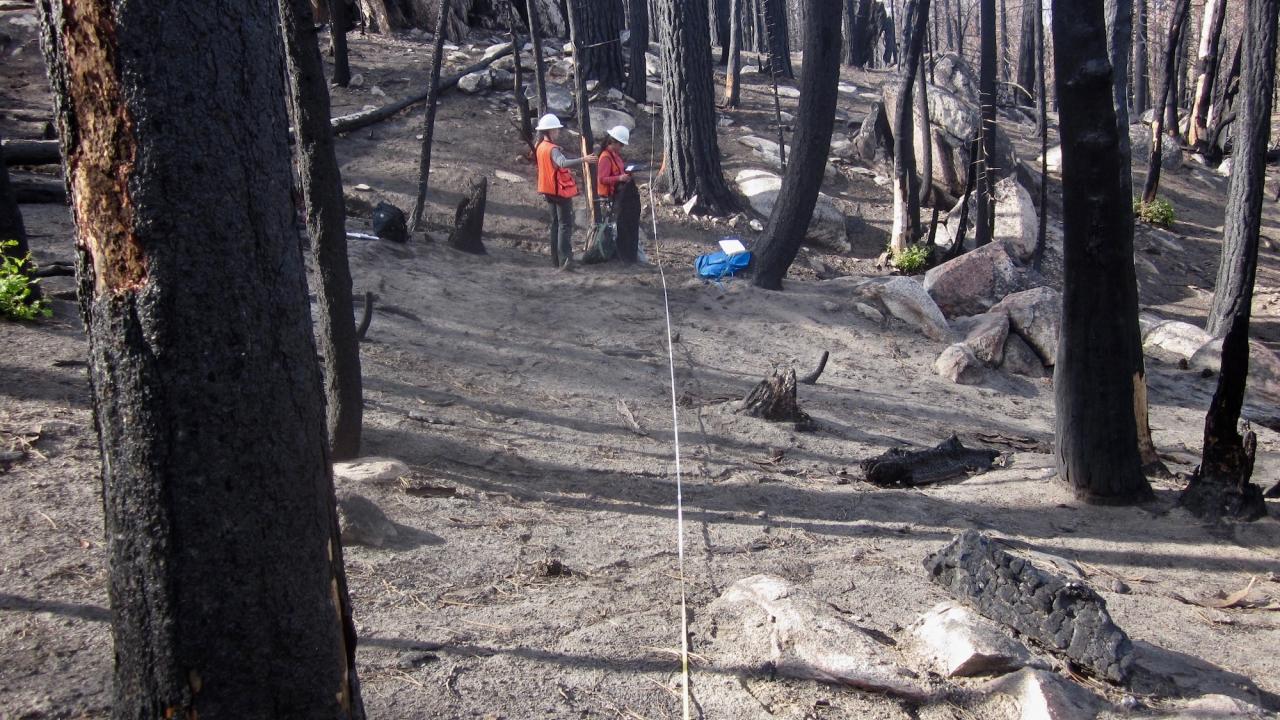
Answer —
911 260
15 289
1157 212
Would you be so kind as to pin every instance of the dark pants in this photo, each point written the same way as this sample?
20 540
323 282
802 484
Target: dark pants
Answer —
561 229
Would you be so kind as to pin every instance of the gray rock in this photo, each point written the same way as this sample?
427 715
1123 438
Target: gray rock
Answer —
475 82
906 300
869 313
1036 315
763 620
1016 219
974 282
1020 359
986 337
559 100
1053 159
958 364
494 50
953 73
826 228
361 522
787 91
652 65
1264 368
1179 338
1066 617
1218 707
603 119
958 642
501 79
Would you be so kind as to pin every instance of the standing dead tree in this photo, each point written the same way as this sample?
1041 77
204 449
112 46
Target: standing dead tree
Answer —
985 221
1177 22
429 121
906 185
1206 69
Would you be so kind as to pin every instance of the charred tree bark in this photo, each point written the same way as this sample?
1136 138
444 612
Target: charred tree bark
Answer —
777 61
1098 387
774 399
468 220
584 113
1221 488
383 16
637 67
906 185
518 97
862 28
539 66
923 133
1141 94
429 121
338 42
987 101
1026 92
1158 129
777 247
691 155
1225 91
720 14
321 183
600 24
1119 47
733 71
205 386
1042 125
1207 67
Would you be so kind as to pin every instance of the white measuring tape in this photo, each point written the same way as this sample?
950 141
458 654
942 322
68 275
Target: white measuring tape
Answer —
675 422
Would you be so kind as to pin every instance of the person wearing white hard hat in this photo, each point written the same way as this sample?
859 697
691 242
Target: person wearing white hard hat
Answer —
612 170
557 185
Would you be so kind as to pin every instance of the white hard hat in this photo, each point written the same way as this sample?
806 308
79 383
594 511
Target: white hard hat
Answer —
549 122
621 134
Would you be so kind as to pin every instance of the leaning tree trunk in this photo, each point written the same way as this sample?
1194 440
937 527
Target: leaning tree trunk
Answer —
429 121
1176 24
691 155
777 61
1141 95
1222 487
600 24
226 579
1097 385
906 183
321 185
338 42
539 66
984 223
1026 90
637 66
777 247
11 226
1119 45
733 71
584 112
1207 66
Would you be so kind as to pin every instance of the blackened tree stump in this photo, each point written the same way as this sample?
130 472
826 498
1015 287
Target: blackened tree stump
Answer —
626 213
948 460
468 223
774 399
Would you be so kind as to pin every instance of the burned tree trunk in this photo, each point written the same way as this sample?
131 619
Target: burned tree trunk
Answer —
985 221
923 185
626 213
777 60
1176 24
383 16
1042 125
338 42
429 121
599 31
1221 487
690 152
524 122
793 210
1119 44
584 111
1225 91
720 14
539 65
468 220
774 399
637 67
733 70
226 579
1207 66
1097 378
1026 90
906 185
948 460
321 185
1141 94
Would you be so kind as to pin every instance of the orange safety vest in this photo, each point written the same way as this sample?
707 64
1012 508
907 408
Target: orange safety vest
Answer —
553 181
610 166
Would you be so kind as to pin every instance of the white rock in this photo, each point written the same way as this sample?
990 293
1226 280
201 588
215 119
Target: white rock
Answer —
652 65
356 80
495 50
906 300
614 94
1177 337
1042 695
508 176
1036 315
723 121
826 228
363 187
568 48
787 91
959 365
1053 158
475 82
756 225
762 619
847 88
591 85
690 205
1225 168
377 91
449 47
960 643
369 469
361 522
881 180
1016 220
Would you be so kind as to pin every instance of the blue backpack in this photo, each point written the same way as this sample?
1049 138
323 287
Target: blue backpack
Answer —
716 265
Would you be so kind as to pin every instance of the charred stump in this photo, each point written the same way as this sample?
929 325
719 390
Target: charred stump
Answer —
626 209
774 399
948 460
468 220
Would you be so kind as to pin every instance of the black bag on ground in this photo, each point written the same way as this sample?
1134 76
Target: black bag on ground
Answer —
389 223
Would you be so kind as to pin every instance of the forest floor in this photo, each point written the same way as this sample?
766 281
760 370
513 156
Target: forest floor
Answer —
534 572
